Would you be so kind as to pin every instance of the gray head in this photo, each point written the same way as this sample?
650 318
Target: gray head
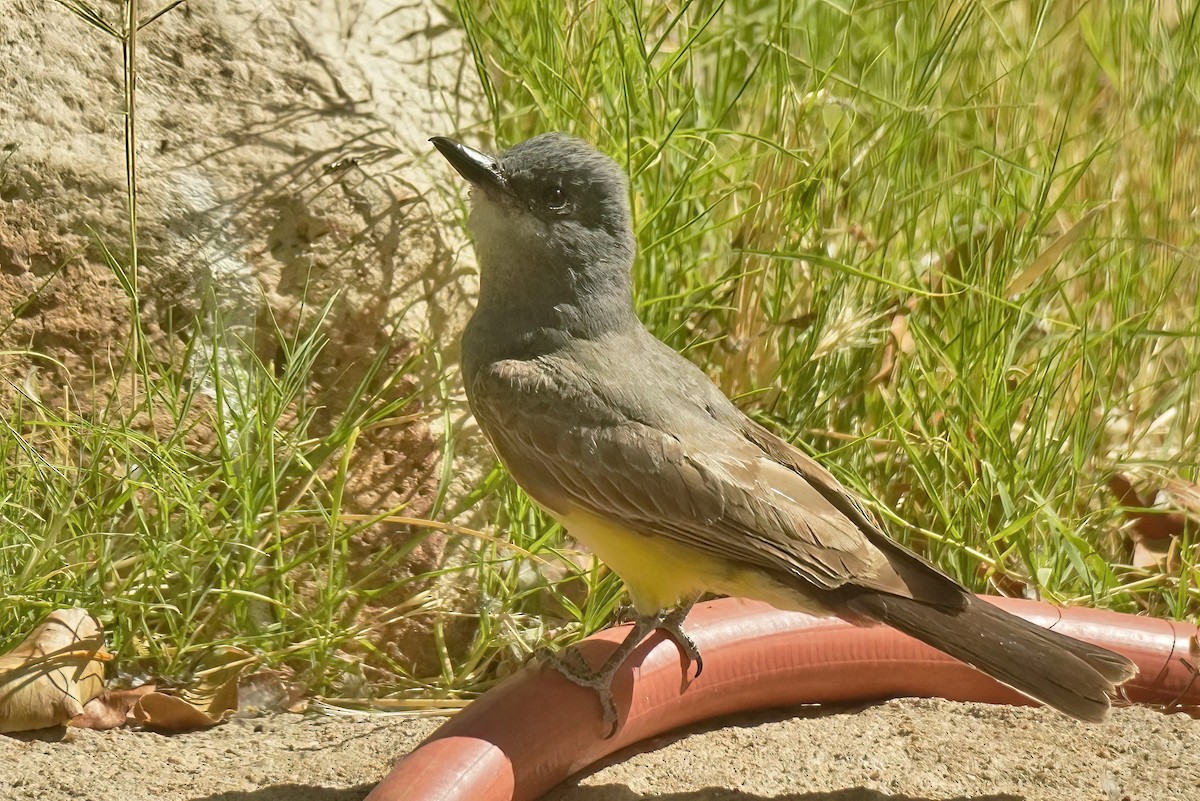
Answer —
552 227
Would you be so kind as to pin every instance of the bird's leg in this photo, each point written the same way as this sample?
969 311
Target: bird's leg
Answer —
626 613
572 666
600 680
567 661
672 624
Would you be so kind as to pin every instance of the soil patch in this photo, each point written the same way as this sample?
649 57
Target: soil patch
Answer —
907 750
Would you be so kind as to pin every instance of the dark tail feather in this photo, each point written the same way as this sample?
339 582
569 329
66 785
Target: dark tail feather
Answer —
1074 677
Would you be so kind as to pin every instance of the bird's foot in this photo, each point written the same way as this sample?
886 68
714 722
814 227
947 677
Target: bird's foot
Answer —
568 661
574 669
571 665
626 613
672 624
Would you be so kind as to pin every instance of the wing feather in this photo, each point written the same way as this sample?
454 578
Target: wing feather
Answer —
719 494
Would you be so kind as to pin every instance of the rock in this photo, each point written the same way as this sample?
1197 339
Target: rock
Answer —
283 167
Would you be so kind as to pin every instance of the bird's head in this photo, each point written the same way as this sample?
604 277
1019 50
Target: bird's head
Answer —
551 203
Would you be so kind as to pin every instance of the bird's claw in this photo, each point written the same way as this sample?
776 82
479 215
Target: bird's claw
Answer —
571 665
672 624
568 662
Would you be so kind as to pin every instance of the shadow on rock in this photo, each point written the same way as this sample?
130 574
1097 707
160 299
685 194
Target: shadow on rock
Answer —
293 792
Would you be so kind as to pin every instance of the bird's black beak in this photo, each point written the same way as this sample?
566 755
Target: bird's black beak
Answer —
479 168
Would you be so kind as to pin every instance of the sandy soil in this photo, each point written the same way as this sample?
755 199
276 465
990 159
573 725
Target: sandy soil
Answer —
913 750
898 751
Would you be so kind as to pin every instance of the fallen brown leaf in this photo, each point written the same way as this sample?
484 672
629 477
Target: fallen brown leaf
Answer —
59 667
899 340
188 711
1153 528
1008 584
110 709
1183 495
212 701
1158 521
1158 554
887 364
1120 486
169 713
269 691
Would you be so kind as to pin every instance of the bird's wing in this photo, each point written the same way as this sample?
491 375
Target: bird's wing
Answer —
923 581
711 488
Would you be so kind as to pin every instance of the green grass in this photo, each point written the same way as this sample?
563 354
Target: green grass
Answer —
995 202
1011 187
181 544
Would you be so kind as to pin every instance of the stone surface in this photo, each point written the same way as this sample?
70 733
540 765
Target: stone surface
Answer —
284 166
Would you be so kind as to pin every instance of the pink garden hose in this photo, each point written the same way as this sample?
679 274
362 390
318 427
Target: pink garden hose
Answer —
536 729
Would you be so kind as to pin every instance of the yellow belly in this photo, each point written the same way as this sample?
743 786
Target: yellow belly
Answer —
660 573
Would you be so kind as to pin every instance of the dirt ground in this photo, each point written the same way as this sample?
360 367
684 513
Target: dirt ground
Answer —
909 750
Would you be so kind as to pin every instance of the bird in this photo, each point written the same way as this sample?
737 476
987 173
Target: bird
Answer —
643 459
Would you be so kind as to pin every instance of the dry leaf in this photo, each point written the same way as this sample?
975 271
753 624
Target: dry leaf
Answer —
59 667
189 711
211 702
169 713
1183 495
216 693
1007 584
111 709
1050 256
1120 485
1156 522
163 712
1153 530
1154 554
269 691
900 340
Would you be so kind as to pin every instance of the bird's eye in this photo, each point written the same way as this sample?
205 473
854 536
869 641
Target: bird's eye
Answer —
554 198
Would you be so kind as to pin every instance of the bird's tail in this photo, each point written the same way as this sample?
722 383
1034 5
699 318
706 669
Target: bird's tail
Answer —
1074 677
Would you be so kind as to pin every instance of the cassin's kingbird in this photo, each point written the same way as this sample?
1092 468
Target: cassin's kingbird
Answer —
648 464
